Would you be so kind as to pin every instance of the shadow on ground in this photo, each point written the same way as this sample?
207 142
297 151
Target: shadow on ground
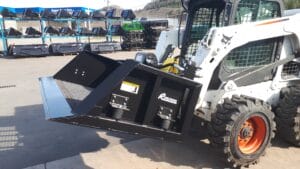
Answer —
279 142
75 162
193 152
27 139
10 57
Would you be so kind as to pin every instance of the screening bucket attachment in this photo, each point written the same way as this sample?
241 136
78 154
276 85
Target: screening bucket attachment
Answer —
99 92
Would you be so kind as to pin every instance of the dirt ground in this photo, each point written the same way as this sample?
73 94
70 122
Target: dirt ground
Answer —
26 139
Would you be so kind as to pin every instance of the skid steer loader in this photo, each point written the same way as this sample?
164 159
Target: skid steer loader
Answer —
239 66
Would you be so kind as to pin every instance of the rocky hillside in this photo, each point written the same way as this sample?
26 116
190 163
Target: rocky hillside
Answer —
162 12
290 4
172 8
163 3
161 9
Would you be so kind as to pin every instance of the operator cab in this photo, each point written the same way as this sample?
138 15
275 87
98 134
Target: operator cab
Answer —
202 15
223 13
251 56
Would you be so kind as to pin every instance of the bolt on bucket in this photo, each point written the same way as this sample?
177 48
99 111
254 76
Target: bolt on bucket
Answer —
99 92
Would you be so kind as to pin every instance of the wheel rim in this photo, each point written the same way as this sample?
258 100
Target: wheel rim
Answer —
252 135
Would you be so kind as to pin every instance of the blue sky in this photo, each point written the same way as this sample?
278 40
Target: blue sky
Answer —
96 4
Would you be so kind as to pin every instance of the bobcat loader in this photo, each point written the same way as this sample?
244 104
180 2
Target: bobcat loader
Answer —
237 76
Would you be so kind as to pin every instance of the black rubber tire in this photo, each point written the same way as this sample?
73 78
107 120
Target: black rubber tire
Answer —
225 125
288 115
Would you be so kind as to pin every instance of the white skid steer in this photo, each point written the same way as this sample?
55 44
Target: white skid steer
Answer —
238 76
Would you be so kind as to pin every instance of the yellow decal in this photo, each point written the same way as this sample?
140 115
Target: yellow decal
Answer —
130 87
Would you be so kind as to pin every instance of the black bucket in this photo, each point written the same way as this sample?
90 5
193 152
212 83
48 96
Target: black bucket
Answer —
99 92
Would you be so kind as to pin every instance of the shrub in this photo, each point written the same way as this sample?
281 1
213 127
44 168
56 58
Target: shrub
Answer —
291 4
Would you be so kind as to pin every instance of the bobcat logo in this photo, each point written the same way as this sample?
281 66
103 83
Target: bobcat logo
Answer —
165 98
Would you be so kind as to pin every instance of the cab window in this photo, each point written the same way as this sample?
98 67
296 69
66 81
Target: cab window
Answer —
256 10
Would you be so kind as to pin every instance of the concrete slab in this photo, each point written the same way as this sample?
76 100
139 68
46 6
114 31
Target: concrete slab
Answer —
26 138
157 154
67 163
41 166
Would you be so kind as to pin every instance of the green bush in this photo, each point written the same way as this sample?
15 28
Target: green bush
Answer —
292 4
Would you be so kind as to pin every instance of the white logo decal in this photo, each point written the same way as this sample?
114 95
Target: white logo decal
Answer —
164 97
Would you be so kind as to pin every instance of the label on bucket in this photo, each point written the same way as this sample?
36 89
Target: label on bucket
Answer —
130 87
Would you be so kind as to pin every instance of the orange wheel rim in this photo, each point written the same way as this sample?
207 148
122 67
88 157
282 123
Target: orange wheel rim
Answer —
252 135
